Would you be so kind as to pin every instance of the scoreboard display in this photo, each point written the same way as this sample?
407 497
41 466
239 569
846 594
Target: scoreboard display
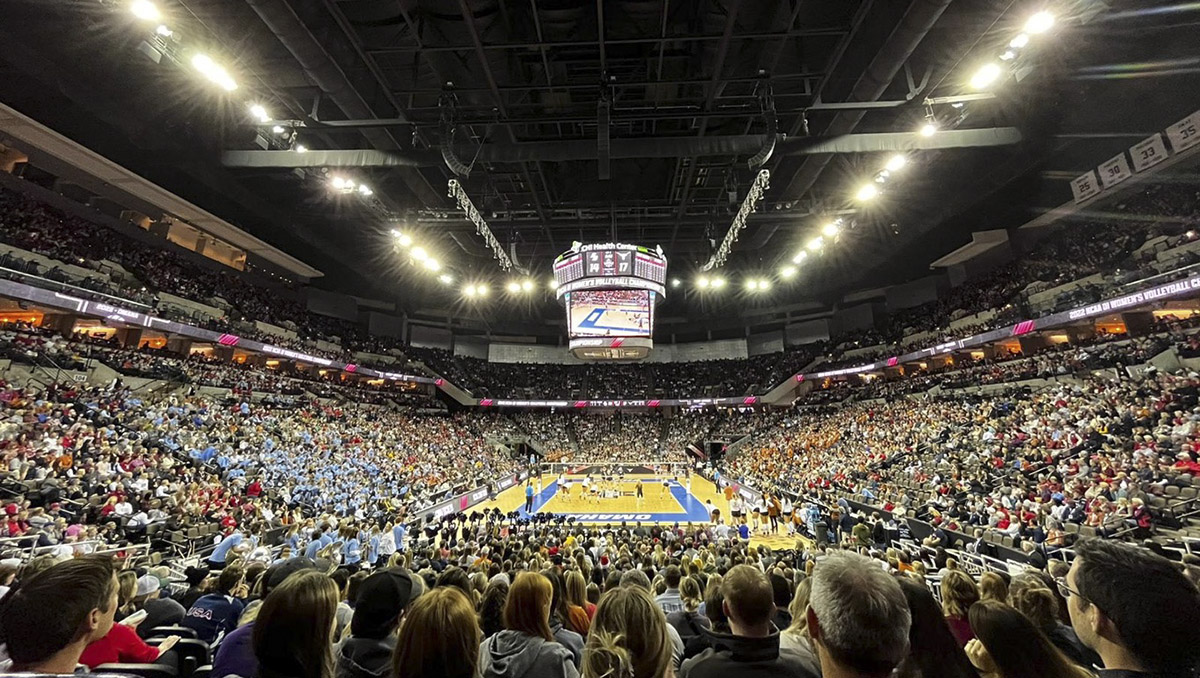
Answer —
609 292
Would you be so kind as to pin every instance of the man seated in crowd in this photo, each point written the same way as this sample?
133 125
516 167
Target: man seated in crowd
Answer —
48 619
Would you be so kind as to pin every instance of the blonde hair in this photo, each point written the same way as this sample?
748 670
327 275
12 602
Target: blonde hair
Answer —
689 593
528 606
959 592
993 587
799 609
438 638
628 637
576 589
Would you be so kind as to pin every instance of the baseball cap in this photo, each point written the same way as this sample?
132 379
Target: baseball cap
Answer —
147 584
277 573
381 598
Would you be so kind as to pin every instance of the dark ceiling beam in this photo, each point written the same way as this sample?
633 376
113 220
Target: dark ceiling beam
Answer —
618 84
600 38
871 84
473 30
710 96
537 27
558 44
317 62
656 147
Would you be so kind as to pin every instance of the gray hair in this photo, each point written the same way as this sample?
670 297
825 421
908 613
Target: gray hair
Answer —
635 578
862 613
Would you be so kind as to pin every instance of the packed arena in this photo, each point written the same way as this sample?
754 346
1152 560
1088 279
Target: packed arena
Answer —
627 339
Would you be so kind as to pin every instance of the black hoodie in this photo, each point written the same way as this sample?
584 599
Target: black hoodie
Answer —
365 657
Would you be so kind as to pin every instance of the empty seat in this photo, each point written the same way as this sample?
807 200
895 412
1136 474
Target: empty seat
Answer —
1071 528
1172 490
1087 531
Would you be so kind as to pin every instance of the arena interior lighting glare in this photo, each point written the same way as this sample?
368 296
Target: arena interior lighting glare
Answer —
364 189
164 31
419 253
702 282
717 283
339 183
928 129
1039 23
553 284
1020 41
831 229
676 282
145 10
445 278
214 72
986 76
433 265
403 239
800 256
259 112
1008 55
481 290
764 285
752 284
815 244
526 285
788 271
470 291
514 287
278 129
867 192
896 162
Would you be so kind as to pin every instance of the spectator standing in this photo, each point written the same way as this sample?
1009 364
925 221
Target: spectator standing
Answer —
933 652
858 618
382 600
628 638
526 647
752 646
439 637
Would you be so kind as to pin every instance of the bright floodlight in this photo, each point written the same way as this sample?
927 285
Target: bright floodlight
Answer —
800 256
481 290
470 291
145 10
815 244
260 112
1008 55
433 265
404 239
514 287
676 282
787 271
718 283
338 182
764 285
1020 41
986 76
419 253
752 284
301 148
527 285
395 233
867 192
896 162
928 129
702 282
831 229
164 31
445 278
1039 23
553 284
278 129
211 70
365 189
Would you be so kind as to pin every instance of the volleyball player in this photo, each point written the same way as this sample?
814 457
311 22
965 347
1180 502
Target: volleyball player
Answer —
639 491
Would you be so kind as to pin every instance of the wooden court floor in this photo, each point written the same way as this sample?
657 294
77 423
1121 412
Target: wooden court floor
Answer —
659 504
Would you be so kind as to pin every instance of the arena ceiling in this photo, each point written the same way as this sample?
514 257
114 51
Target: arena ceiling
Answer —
527 88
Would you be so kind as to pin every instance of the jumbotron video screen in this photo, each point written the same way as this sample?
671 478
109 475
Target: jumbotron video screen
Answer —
610 313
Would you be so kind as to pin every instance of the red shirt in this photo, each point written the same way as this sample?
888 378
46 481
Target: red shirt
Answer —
121 645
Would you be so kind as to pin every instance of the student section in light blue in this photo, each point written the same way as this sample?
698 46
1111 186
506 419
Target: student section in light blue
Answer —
691 508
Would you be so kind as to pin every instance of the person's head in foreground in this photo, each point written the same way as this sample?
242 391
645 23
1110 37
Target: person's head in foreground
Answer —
628 637
293 635
1133 608
1008 645
439 637
858 618
749 601
48 619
